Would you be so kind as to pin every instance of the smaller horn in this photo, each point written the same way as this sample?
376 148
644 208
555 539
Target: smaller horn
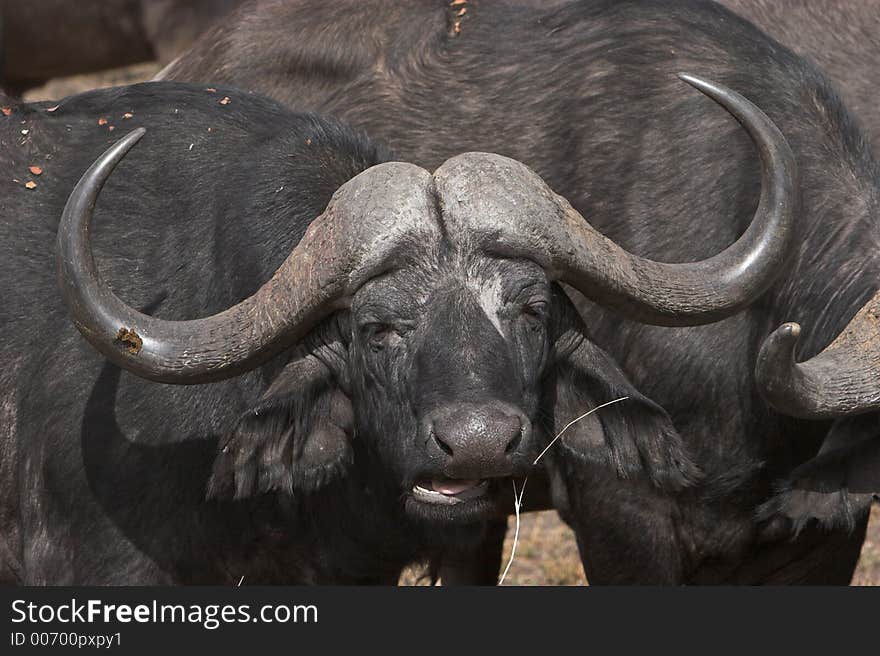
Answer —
844 379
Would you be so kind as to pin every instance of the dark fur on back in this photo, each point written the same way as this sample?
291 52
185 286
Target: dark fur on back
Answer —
841 38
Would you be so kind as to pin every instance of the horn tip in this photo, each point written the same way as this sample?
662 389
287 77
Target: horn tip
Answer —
704 86
693 80
777 351
789 330
135 134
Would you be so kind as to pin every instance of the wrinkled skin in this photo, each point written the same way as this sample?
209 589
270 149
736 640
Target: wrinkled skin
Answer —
423 333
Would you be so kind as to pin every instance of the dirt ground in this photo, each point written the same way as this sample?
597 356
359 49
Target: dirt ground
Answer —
546 553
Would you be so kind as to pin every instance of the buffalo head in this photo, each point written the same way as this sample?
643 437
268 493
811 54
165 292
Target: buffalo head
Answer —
429 334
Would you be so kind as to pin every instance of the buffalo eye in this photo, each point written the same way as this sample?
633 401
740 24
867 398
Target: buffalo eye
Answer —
535 315
378 335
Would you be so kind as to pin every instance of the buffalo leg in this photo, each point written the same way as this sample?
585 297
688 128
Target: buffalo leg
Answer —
626 530
816 557
479 566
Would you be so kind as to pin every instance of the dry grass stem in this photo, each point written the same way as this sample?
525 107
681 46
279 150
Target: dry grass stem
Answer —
573 422
517 498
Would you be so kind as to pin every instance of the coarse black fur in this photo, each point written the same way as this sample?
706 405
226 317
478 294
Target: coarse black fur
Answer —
586 94
308 461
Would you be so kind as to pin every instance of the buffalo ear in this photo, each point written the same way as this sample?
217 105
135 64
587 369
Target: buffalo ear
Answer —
634 437
296 440
835 488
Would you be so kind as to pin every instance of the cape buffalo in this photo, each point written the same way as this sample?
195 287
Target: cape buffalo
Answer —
585 93
372 403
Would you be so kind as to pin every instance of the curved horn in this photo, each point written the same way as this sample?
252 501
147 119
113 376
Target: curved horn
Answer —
844 379
522 224
360 234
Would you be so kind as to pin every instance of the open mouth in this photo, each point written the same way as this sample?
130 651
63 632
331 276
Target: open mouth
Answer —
450 491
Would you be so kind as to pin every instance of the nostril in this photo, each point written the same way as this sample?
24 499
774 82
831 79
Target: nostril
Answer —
515 440
443 445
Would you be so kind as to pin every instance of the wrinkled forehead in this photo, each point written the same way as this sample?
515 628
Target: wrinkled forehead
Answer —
437 271
475 281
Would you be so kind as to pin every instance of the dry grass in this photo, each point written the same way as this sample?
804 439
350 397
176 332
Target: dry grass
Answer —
547 553
868 571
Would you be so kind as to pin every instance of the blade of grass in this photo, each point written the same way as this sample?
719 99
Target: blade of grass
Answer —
517 498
